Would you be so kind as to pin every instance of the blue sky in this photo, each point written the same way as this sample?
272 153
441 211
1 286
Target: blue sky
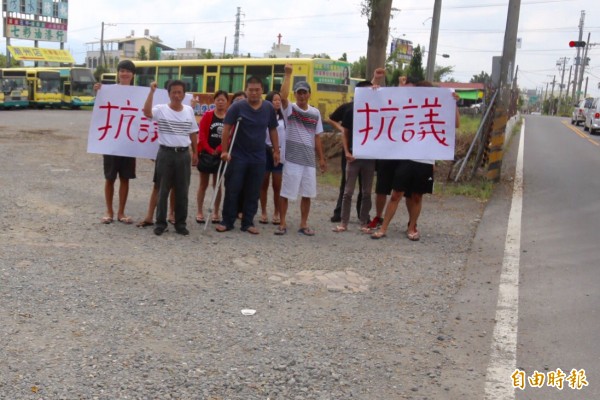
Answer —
471 32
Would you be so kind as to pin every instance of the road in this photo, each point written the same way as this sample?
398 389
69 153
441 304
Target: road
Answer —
529 300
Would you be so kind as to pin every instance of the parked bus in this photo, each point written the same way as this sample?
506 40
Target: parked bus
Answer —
108 78
13 89
43 86
329 79
77 86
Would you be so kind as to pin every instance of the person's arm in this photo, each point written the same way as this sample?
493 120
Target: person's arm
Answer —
225 142
336 125
204 132
149 100
378 77
346 144
285 86
194 139
319 148
275 142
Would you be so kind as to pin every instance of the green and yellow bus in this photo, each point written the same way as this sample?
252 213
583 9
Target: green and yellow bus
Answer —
13 89
76 86
43 86
329 79
108 78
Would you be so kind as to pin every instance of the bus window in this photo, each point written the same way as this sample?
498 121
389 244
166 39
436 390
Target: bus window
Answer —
166 74
278 74
264 72
232 79
145 75
331 87
211 82
193 78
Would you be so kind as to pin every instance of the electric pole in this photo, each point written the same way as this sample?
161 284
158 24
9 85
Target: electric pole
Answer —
578 58
435 29
561 68
583 63
236 40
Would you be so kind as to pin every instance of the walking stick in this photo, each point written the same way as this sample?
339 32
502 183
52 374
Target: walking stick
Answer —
221 174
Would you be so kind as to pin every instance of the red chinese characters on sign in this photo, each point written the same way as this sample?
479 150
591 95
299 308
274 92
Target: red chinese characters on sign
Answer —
127 117
415 124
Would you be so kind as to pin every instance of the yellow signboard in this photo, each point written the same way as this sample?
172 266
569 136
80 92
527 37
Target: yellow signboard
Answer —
21 53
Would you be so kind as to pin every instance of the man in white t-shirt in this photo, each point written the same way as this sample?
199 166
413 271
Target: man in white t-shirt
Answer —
304 127
177 130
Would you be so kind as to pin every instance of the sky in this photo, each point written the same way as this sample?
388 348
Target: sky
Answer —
471 32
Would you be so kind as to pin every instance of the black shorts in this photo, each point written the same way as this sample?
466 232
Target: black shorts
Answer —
385 176
124 167
413 177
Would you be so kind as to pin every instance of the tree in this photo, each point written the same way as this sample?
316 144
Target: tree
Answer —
344 57
142 54
153 52
378 13
208 54
322 55
415 68
3 61
482 77
439 72
359 68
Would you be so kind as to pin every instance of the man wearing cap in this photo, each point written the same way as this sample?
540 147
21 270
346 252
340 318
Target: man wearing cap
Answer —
124 167
304 127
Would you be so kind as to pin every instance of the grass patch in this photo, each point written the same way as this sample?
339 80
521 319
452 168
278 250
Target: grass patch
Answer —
329 178
480 189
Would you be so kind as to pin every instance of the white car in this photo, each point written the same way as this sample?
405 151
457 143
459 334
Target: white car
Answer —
592 117
580 110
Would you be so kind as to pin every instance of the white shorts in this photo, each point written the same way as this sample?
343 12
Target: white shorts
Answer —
298 180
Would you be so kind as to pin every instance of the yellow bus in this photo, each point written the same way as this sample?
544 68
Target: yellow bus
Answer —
76 86
329 79
13 89
43 86
108 78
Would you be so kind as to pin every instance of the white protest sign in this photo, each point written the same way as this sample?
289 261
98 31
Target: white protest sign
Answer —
119 127
398 123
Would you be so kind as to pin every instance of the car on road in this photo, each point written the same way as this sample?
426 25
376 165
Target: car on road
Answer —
580 111
592 117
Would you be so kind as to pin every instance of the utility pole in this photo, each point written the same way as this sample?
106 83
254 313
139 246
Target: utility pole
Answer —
578 58
435 29
102 55
569 83
552 110
561 68
583 63
586 85
501 116
236 40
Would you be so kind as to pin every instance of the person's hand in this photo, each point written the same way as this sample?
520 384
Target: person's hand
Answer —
455 96
194 159
225 156
153 86
379 73
402 81
288 68
276 157
323 165
350 157
97 86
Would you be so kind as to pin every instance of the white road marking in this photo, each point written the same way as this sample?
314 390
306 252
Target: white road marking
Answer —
503 357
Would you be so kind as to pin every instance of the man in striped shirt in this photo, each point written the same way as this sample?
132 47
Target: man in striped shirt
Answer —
304 127
177 130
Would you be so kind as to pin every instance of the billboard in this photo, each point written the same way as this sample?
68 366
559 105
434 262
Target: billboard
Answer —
403 49
43 20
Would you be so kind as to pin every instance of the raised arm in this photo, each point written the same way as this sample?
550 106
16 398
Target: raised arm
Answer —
149 100
285 86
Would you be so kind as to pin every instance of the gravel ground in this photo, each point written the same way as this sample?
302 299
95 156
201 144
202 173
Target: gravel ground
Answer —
93 311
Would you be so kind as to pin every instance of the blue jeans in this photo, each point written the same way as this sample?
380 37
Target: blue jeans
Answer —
242 179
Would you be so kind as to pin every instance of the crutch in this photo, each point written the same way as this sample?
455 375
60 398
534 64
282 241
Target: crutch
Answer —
220 175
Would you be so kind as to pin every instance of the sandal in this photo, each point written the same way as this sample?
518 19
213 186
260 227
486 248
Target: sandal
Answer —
107 220
144 223
378 235
276 221
222 228
414 236
252 230
126 220
366 229
263 220
280 231
339 228
199 220
306 231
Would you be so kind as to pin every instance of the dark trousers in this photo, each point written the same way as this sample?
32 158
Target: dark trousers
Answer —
242 179
337 212
173 170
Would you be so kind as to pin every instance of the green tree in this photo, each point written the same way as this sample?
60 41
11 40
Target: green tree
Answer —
4 61
208 54
482 77
153 52
322 55
440 72
415 68
344 57
359 68
378 13
142 54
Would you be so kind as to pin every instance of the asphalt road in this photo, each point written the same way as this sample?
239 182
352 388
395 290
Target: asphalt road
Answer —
559 279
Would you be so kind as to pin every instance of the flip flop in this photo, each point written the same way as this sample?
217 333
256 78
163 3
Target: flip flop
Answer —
280 231
276 221
126 220
306 231
222 228
252 230
414 236
215 221
378 235
199 220
339 229
171 221
144 223
107 220
263 221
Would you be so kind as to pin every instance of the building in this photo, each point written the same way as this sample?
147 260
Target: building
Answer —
469 93
280 50
119 49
